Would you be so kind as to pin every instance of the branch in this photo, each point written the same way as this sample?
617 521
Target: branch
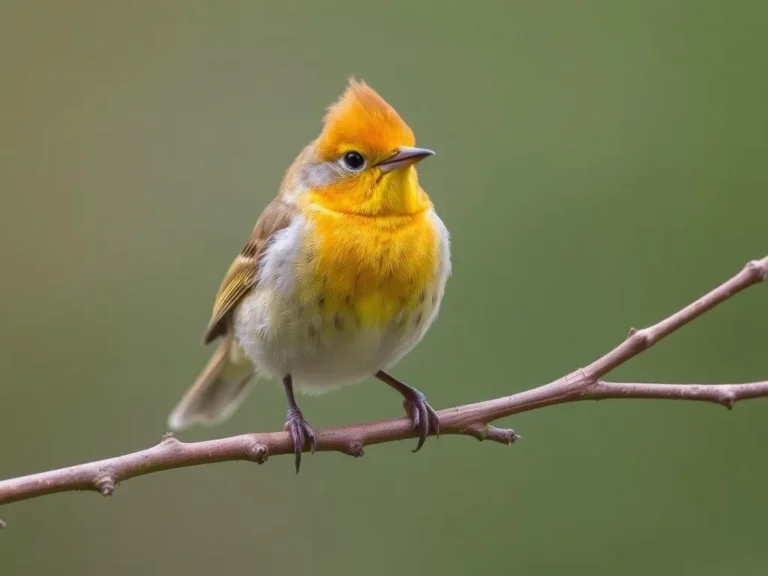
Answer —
471 419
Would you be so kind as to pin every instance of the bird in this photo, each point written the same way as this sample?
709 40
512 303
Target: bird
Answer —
341 277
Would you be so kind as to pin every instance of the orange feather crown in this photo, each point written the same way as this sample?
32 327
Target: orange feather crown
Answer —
362 120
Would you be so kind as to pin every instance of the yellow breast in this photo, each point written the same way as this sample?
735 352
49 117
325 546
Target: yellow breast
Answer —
367 269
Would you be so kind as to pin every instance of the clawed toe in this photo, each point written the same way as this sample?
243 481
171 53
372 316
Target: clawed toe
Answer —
423 416
301 432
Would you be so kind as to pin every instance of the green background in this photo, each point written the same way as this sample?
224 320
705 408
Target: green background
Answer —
600 164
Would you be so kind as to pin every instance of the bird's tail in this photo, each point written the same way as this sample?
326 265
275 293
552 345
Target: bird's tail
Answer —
218 391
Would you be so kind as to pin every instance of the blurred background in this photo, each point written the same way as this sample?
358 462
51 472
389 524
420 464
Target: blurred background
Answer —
600 164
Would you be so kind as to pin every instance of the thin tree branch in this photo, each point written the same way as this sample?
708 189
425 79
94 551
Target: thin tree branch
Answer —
724 394
471 419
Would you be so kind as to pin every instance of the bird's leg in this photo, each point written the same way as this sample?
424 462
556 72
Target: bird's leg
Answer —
424 418
300 430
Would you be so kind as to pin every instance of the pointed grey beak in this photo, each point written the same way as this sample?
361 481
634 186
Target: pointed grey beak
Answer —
405 156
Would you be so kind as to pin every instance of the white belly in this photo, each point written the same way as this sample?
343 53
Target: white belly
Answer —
321 354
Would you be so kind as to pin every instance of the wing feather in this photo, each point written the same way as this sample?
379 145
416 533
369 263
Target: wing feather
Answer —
243 274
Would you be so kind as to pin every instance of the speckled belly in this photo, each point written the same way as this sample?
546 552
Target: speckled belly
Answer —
319 351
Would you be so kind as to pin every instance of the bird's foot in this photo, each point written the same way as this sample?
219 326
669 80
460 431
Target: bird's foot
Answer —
423 416
301 432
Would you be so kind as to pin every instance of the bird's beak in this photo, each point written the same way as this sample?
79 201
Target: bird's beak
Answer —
405 156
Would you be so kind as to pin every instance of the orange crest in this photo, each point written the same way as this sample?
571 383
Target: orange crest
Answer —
362 120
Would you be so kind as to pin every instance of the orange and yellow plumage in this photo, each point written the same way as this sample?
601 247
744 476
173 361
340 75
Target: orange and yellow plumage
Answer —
343 273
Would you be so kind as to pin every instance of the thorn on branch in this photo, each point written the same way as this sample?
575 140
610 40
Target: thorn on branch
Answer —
503 435
643 338
105 485
758 268
259 453
354 448
728 399
170 442
487 432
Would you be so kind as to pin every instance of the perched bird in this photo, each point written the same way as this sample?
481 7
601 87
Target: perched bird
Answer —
341 277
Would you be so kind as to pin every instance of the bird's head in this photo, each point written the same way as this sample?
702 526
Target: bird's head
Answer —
363 161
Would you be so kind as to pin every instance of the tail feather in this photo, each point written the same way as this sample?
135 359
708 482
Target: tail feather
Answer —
219 390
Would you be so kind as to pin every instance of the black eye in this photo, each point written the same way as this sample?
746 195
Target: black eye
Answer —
353 160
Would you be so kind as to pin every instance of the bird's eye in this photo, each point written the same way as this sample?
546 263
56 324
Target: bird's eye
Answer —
353 161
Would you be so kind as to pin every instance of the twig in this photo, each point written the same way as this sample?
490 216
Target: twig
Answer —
471 419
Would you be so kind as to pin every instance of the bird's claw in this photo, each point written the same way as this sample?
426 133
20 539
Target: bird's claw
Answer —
423 417
301 432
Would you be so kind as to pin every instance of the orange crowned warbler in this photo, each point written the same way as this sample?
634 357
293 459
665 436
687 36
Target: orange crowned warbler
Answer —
341 277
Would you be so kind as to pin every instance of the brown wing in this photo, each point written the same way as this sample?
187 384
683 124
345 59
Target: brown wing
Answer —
243 273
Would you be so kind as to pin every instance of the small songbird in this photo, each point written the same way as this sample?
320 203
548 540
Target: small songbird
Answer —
341 277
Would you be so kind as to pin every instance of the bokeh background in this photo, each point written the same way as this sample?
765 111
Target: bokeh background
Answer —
600 164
